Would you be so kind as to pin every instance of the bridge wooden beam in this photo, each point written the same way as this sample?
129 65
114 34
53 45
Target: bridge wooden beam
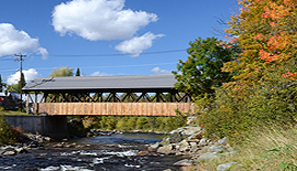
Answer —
114 109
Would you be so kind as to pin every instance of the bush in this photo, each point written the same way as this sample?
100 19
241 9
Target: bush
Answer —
234 112
142 123
139 122
8 134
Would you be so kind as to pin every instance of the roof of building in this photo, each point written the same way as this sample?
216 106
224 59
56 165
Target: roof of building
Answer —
114 82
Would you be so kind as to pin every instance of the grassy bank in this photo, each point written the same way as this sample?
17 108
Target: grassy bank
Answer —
11 112
268 149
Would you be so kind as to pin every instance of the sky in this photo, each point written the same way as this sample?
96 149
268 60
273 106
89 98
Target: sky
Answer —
104 37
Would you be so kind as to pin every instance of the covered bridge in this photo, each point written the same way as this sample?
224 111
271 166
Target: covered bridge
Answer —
120 95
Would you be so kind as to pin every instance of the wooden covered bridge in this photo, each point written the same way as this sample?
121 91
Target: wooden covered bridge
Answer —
119 95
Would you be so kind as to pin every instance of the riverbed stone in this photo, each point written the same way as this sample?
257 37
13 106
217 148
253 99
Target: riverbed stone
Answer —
154 147
226 166
193 144
196 135
191 130
185 162
167 149
34 144
21 150
215 148
194 150
223 141
203 142
59 145
207 156
9 151
184 146
145 153
176 137
47 139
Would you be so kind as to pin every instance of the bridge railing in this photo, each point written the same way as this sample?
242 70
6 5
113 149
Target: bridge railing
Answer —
114 109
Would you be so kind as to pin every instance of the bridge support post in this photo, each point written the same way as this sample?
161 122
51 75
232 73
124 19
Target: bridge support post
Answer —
56 127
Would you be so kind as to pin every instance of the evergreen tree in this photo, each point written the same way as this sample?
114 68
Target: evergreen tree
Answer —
77 72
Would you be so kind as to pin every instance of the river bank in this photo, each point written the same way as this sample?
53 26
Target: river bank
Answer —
190 143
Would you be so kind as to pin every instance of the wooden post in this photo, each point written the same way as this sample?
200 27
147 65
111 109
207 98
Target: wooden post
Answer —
45 97
27 104
158 96
35 97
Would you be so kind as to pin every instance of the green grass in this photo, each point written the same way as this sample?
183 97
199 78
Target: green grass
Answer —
12 112
267 149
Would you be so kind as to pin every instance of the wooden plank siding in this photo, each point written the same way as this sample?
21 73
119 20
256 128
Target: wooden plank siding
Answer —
114 109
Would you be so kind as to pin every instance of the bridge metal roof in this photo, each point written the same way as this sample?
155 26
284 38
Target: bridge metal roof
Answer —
114 82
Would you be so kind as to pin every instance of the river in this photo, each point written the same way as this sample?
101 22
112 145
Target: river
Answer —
117 152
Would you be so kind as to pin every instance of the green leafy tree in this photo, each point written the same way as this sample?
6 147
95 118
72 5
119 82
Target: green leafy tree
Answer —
62 72
264 90
202 70
77 72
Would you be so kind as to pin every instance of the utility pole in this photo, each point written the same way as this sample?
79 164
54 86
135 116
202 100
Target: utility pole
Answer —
21 79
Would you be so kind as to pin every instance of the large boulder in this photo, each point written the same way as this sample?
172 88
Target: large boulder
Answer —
179 134
167 149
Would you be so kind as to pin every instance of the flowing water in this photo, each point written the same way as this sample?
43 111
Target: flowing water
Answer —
115 152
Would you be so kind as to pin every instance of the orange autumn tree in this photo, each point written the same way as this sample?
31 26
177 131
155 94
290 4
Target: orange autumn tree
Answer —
266 31
264 89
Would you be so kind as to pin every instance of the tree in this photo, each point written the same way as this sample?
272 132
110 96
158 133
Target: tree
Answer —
264 87
16 87
202 70
266 32
62 72
77 72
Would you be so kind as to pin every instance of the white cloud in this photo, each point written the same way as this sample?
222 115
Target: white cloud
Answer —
136 45
97 73
13 41
29 74
99 19
158 70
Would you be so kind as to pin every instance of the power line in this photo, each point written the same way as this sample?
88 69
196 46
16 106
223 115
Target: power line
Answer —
110 66
6 58
130 65
104 55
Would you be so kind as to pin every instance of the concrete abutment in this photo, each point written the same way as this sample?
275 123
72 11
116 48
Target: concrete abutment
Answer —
51 126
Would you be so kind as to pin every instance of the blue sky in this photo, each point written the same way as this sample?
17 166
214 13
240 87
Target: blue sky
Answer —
104 37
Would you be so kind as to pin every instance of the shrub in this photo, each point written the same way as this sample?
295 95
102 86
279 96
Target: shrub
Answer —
142 123
234 113
122 123
8 134
139 122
